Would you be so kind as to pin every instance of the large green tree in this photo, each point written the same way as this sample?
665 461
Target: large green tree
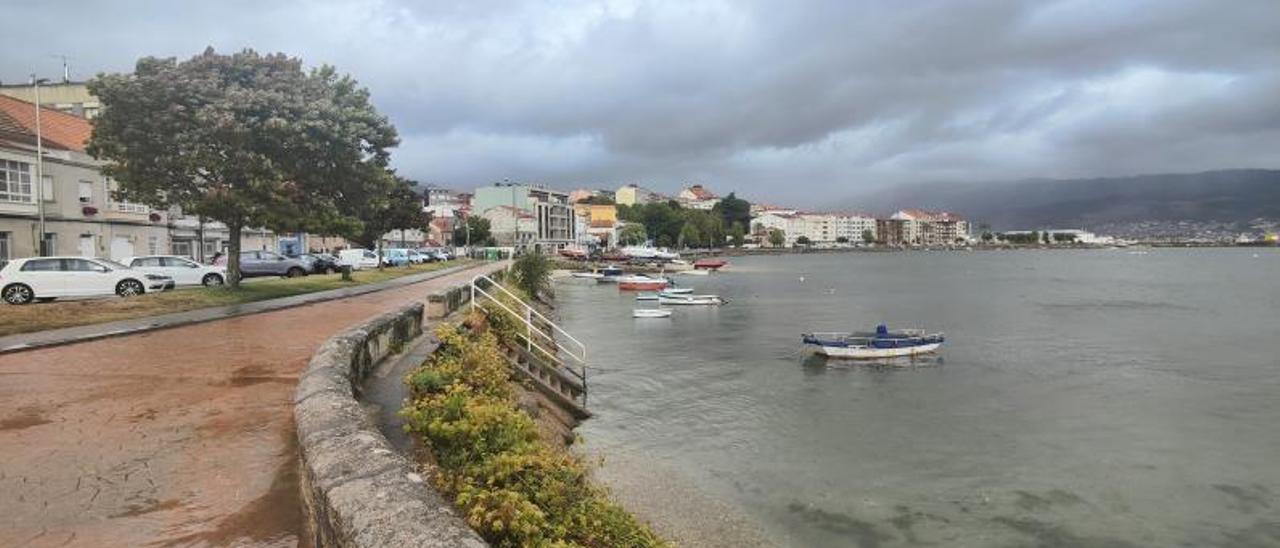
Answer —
733 209
246 139
475 231
398 209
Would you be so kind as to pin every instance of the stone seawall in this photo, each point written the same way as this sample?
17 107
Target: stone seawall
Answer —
357 490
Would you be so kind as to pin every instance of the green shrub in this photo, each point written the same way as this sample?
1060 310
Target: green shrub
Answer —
532 274
511 486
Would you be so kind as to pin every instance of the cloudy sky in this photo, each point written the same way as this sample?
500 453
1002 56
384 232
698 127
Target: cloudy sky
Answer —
797 101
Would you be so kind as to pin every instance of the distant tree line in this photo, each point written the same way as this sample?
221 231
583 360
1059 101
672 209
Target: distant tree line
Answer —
668 224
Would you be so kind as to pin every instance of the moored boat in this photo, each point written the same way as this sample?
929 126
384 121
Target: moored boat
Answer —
647 297
610 274
650 313
709 264
882 343
641 283
706 300
677 291
588 275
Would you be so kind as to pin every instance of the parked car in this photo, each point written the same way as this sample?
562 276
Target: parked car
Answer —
358 259
267 263
47 278
395 257
184 271
320 263
427 255
418 258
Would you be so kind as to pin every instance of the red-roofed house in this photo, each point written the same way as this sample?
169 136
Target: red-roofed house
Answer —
80 216
698 197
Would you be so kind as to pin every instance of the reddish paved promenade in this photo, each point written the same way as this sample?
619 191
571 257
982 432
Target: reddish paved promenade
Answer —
178 437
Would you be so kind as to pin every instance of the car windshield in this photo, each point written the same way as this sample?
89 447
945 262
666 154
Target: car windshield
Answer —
112 264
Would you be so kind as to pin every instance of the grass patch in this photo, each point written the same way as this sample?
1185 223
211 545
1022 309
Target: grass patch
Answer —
513 488
54 315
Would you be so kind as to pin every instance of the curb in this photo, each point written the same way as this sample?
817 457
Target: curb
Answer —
71 335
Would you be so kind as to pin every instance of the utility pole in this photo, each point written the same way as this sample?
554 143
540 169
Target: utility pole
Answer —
44 252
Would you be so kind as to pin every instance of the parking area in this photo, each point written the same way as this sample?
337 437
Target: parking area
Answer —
175 437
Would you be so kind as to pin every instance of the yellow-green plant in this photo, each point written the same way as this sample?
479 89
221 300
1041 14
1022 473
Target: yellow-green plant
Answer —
511 486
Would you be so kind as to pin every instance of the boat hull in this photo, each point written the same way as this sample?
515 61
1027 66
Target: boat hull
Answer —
642 286
650 313
870 353
709 264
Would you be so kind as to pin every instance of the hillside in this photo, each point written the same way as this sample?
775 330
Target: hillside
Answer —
1227 197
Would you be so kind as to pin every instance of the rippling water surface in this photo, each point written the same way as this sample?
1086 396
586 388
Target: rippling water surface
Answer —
1084 398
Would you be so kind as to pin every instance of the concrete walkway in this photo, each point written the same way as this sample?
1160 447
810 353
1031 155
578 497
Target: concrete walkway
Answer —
54 337
176 437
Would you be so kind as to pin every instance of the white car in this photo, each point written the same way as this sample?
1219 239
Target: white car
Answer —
48 278
358 259
184 271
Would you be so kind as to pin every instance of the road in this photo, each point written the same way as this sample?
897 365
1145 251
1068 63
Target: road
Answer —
178 437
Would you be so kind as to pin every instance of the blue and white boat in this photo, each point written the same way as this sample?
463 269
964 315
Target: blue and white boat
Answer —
882 343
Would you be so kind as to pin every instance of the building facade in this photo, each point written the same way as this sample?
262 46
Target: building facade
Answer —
631 194
929 228
69 97
80 215
697 197
555 225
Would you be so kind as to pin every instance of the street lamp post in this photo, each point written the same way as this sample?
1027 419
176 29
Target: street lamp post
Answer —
44 251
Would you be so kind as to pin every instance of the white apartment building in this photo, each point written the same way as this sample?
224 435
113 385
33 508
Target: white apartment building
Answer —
823 228
931 228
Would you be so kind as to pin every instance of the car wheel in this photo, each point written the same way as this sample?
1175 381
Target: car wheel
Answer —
295 272
211 280
129 288
18 294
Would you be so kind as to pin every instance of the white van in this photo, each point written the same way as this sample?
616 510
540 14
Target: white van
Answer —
358 259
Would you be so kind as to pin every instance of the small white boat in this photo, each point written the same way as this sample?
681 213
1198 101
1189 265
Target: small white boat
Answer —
690 299
694 272
678 290
647 297
879 344
588 275
650 313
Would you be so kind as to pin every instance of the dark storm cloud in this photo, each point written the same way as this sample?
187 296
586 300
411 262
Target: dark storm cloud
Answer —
785 101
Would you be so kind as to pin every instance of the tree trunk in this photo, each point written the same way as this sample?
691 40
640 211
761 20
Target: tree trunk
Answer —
233 254
379 253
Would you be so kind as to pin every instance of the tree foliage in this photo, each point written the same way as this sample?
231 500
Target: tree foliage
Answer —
247 139
399 209
777 237
532 274
731 209
632 234
478 229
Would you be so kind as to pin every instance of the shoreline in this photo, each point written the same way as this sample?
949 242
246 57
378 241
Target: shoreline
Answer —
676 509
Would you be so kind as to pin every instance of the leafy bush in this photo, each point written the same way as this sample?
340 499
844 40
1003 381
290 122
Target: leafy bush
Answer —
511 486
532 274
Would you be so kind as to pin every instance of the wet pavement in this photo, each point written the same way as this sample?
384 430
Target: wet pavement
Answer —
178 437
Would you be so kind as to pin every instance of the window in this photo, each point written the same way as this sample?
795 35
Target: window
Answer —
153 244
15 182
175 262
48 194
81 265
4 246
147 261
125 207
49 243
42 265
181 247
86 192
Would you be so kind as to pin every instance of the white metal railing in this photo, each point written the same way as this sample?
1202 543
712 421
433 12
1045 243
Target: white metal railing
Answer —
548 345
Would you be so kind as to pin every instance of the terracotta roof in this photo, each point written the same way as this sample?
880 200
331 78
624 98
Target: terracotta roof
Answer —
58 129
701 193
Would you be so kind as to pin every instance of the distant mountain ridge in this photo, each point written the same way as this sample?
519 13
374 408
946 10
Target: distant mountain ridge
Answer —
1227 196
